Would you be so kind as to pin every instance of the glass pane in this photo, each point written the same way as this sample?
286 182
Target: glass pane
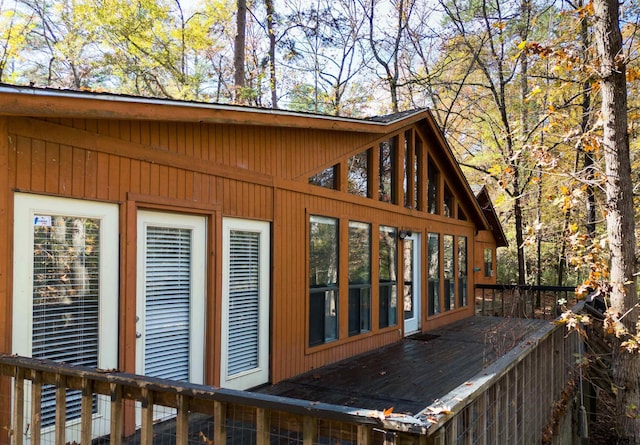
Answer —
448 202
325 178
449 287
388 307
409 311
417 166
244 301
462 271
386 171
434 273
323 279
359 253
358 174
359 309
167 302
66 291
488 262
323 316
388 263
432 191
408 165
323 251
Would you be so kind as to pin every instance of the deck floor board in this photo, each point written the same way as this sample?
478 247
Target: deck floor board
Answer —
411 374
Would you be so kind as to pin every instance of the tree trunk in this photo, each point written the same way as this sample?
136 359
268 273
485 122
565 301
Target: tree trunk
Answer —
238 51
619 207
272 53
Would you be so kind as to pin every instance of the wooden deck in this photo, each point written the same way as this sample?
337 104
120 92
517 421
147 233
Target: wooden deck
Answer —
412 374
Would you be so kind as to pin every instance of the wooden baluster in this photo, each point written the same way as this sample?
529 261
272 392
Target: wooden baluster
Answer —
116 414
309 430
18 406
219 423
36 407
146 433
61 409
182 420
86 416
364 435
263 426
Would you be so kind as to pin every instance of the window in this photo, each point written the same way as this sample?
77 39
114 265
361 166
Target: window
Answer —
447 202
388 276
323 280
386 171
448 275
488 262
326 178
65 294
359 278
409 170
463 295
433 255
417 169
358 174
461 215
244 358
433 188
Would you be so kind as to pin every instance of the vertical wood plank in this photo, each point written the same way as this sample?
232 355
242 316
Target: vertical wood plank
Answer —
364 435
36 404
86 411
23 162
146 431
116 414
219 423
18 406
309 430
52 167
182 420
263 426
61 409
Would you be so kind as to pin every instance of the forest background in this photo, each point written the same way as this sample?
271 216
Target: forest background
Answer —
514 85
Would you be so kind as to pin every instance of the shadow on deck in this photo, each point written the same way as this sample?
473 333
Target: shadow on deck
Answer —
412 374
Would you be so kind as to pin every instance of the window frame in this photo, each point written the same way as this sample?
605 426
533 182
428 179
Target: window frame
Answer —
334 287
359 290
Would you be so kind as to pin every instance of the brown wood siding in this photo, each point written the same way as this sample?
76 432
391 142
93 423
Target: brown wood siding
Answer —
255 172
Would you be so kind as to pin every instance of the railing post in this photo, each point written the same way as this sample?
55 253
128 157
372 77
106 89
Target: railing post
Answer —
182 420
61 409
263 426
146 413
116 414
309 430
18 406
36 407
364 435
86 415
219 423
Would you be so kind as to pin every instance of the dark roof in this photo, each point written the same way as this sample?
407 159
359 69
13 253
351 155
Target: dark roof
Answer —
484 200
395 116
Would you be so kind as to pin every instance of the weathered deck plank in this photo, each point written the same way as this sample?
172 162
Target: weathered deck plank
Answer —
411 374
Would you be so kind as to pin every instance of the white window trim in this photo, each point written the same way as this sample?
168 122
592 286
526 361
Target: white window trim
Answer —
26 207
260 374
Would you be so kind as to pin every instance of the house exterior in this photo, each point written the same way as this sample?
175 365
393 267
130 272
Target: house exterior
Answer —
225 245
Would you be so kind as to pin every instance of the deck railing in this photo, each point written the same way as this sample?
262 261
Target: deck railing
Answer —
513 400
525 397
512 300
118 408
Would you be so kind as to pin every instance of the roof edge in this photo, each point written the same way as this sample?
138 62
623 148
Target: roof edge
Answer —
35 101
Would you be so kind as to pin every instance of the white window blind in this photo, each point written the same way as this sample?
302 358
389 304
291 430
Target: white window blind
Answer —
167 308
66 290
244 301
